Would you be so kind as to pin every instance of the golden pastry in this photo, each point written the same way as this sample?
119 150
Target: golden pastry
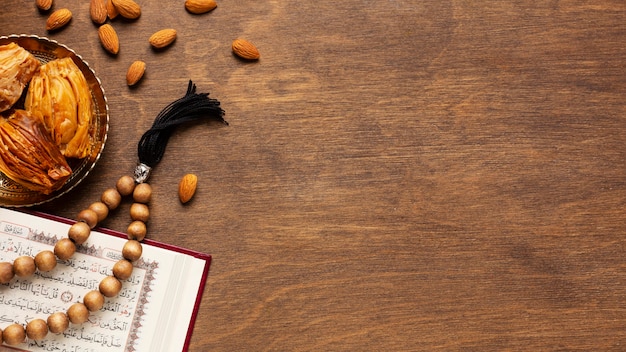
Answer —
28 155
60 96
17 67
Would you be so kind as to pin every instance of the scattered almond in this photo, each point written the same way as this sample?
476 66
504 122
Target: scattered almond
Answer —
109 39
127 8
187 187
245 50
98 11
111 9
200 6
135 72
162 38
58 19
44 5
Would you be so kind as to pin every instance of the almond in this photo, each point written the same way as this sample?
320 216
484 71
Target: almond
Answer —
187 187
109 39
135 72
44 5
162 38
111 9
127 8
58 19
245 50
200 6
98 11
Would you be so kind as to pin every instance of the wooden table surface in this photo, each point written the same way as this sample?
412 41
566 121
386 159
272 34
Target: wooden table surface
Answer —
397 175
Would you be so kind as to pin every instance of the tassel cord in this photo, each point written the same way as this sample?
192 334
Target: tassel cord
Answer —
191 107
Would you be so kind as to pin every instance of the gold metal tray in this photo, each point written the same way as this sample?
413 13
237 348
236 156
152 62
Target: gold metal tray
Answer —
44 49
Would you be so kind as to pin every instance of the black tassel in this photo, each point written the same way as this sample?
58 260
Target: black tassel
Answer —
192 107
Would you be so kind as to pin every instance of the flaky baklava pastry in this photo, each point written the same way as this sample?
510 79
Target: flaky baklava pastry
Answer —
17 67
59 95
28 155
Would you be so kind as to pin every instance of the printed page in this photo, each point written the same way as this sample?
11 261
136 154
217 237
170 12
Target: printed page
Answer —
143 311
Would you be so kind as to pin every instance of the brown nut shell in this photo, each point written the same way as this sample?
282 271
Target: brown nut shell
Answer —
135 72
162 38
58 19
98 11
245 50
109 39
187 187
111 9
200 6
43 5
127 8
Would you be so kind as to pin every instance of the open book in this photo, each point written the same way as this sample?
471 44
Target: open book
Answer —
155 311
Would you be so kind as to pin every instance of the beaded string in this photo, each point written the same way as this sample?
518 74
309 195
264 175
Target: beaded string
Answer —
64 249
192 107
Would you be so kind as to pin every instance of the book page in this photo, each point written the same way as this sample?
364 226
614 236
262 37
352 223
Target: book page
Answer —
141 313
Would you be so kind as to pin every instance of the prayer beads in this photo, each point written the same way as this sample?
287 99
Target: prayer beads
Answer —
64 249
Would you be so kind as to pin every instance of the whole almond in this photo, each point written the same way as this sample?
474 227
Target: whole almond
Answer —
200 6
127 8
44 5
187 187
245 50
162 38
109 39
135 72
58 19
98 11
111 9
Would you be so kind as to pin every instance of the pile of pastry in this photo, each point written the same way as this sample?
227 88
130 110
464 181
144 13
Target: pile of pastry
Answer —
46 116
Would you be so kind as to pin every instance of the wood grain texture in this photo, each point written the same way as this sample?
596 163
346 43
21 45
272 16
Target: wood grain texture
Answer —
397 175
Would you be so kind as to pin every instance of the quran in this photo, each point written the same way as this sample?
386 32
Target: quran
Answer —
155 310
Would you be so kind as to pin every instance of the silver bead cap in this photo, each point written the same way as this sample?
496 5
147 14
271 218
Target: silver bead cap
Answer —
142 172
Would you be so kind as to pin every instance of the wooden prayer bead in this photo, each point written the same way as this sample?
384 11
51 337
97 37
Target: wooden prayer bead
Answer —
123 269
132 250
36 329
110 286
93 300
24 266
45 261
58 322
14 334
136 230
101 209
139 211
78 313
6 272
112 198
142 193
89 217
64 249
125 185
79 232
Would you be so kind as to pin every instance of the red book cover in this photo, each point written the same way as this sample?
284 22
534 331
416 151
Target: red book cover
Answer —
204 262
